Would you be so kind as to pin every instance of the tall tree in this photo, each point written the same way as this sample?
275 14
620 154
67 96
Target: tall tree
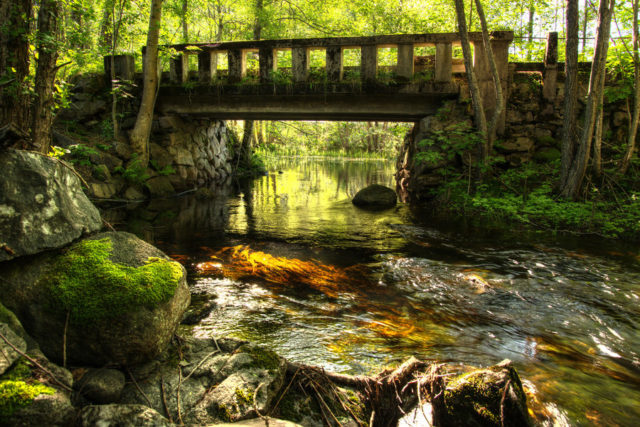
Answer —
486 41
635 115
183 17
571 186
139 137
15 18
47 47
476 100
569 124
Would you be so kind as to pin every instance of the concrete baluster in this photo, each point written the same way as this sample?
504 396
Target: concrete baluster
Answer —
179 69
237 65
443 72
550 76
267 64
207 66
334 63
404 68
300 64
369 63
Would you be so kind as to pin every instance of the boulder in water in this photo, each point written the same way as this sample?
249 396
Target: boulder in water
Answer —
375 196
42 205
118 299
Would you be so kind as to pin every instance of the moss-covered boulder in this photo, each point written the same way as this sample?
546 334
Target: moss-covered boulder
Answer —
118 298
375 196
486 397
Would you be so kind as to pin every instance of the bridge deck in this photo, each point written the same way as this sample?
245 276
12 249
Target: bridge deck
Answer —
291 92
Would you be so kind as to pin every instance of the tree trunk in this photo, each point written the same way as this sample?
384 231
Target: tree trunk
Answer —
106 38
185 25
570 189
569 124
532 11
245 147
635 117
478 109
493 124
47 46
15 17
140 134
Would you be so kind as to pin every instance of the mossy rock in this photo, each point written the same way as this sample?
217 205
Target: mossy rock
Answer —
476 398
547 154
122 299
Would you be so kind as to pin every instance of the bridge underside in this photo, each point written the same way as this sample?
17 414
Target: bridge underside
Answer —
269 103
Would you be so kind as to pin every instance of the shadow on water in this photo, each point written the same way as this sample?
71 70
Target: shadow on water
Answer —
295 266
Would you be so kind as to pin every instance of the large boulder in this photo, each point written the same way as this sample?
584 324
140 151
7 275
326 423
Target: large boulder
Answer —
375 196
42 205
118 298
121 415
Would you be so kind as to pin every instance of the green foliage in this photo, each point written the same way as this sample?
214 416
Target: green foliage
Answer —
56 152
88 285
81 154
134 173
167 170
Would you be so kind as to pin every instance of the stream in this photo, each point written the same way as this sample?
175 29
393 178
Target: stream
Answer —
294 266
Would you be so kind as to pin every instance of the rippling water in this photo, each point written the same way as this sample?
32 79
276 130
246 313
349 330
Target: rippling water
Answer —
294 266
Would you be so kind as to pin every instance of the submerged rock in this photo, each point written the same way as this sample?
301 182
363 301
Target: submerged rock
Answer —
118 298
375 196
42 205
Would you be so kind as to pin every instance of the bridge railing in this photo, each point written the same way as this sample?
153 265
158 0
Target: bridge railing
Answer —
300 49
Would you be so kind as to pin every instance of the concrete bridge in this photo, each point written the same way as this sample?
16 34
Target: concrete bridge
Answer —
335 92
407 91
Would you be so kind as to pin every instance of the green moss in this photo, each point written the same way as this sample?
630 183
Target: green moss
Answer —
89 286
244 396
15 395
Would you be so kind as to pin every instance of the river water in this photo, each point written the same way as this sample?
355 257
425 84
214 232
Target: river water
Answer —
294 266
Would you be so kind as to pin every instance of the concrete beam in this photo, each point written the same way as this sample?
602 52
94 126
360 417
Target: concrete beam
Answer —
550 75
336 107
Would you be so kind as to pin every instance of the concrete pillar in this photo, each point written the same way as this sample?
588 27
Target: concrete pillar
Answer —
207 66
300 64
237 65
179 69
405 61
550 76
124 66
444 68
368 63
334 63
267 64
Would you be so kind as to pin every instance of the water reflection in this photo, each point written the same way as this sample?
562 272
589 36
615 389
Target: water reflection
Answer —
296 267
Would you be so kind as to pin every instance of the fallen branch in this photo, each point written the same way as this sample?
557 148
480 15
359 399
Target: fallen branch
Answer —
35 362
